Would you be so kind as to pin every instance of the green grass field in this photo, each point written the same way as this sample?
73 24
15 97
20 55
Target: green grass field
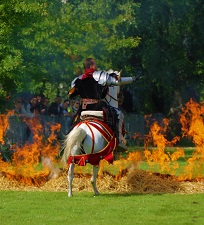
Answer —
27 208
55 208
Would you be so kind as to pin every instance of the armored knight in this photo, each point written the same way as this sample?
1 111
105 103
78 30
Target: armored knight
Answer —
99 92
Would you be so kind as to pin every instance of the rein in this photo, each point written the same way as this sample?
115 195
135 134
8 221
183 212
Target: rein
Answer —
111 98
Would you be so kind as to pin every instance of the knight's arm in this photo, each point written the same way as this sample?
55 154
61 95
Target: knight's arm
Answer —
73 92
111 78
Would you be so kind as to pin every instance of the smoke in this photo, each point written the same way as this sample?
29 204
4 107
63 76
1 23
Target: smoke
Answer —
54 171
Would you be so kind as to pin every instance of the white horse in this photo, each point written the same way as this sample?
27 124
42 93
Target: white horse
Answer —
90 141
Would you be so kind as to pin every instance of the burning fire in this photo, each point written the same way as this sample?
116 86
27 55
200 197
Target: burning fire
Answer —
4 125
194 128
33 162
158 155
192 121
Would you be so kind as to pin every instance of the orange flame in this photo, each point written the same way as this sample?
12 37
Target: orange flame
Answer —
4 124
25 165
192 121
192 126
157 155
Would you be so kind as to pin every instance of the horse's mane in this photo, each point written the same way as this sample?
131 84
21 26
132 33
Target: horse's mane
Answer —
74 138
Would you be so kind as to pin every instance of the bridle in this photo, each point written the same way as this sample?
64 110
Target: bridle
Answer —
111 97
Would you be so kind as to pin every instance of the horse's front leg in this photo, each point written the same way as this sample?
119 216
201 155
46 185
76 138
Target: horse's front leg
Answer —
70 179
93 179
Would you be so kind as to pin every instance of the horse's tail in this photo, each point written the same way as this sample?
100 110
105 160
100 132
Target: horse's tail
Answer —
74 139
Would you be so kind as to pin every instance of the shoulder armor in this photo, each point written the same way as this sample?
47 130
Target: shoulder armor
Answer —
73 82
101 77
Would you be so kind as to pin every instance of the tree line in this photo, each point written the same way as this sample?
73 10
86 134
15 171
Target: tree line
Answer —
44 43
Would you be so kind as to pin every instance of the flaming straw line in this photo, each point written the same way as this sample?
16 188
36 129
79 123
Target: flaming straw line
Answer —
35 162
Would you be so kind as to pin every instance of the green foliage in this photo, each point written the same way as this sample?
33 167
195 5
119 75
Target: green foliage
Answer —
47 41
43 44
16 21
171 50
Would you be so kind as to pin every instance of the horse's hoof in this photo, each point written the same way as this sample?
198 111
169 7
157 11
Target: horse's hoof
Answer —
70 195
96 194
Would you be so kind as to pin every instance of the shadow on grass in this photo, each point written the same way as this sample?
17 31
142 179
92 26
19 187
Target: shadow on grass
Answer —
121 194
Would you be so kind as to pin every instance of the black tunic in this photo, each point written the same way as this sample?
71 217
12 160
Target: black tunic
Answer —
89 88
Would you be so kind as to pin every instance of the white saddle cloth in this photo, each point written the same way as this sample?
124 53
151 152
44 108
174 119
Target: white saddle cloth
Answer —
89 113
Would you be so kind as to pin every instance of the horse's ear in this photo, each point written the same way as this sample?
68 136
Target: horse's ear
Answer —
119 75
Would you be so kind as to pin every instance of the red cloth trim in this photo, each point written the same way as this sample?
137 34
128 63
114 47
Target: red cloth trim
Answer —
94 158
88 73
107 133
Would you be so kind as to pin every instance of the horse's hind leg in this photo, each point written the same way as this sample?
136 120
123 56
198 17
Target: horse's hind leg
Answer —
70 178
93 179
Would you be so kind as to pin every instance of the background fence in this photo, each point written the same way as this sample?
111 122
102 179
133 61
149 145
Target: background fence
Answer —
18 132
